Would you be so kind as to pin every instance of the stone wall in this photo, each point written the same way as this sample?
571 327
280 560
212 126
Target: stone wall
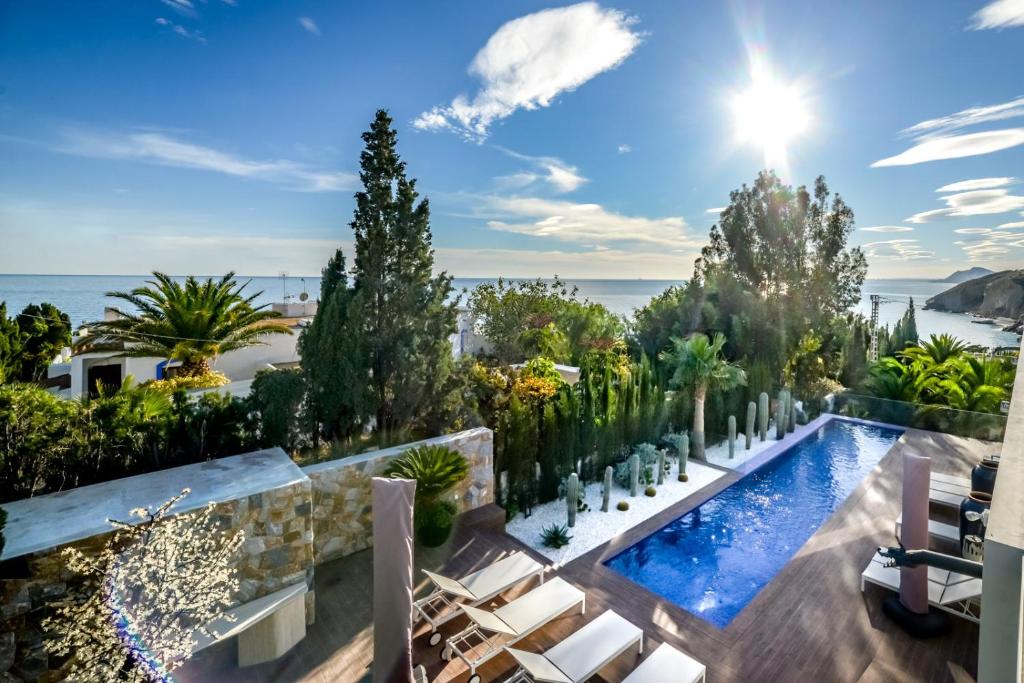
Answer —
277 551
342 523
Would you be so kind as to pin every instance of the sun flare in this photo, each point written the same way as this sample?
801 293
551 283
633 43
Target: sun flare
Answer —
770 114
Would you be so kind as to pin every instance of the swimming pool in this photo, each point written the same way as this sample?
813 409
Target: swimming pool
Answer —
715 559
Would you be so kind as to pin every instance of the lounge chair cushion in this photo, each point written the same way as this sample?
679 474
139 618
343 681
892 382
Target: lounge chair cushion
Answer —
540 605
499 576
668 665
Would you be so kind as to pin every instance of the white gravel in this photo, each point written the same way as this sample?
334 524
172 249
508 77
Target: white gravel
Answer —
594 527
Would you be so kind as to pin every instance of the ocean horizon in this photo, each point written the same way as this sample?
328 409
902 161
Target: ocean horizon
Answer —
83 298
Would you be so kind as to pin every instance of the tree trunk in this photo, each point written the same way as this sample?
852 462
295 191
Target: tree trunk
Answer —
195 367
698 421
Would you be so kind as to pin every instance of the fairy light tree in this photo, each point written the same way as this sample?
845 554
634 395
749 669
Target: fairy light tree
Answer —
154 586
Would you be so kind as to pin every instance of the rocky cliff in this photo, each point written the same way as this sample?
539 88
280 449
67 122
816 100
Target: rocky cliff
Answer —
999 295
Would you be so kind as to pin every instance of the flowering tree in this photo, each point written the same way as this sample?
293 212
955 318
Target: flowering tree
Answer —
157 583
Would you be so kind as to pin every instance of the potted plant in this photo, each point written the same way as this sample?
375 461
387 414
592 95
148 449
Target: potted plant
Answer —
436 470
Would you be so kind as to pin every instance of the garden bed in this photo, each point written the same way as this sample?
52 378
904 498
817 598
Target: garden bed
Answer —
595 527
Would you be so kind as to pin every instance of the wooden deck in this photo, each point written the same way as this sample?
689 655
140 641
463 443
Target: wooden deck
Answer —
811 623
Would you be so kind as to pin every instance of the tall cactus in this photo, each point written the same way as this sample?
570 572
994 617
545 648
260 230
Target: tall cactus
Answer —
780 415
634 474
572 497
607 492
661 467
749 433
762 415
791 414
684 455
732 437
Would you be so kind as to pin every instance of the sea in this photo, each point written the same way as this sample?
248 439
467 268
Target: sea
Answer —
83 298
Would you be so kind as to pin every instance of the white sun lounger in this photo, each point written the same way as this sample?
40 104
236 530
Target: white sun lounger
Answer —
440 606
668 665
581 655
946 532
955 593
490 632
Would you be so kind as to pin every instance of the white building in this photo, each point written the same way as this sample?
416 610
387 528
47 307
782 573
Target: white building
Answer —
110 369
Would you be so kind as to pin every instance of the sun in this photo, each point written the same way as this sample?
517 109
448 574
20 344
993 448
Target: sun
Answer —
770 114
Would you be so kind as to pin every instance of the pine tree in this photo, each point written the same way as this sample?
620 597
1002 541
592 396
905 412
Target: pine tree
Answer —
399 309
334 361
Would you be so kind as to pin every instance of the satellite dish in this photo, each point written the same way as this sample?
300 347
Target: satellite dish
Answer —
303 296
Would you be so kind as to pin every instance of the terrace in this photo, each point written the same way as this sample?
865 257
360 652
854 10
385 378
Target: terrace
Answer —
810 623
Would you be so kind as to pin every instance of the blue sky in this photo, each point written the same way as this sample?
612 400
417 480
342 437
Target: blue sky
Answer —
586 140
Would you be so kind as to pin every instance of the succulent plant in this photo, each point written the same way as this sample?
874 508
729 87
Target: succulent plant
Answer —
607 490
650 492
762 415
622 506
751 415
684 453
791 413
732 436
555 536
634 474
572 498
683 477
780 415
661 467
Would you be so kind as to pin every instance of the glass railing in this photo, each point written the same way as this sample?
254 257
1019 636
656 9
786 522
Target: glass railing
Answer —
985 426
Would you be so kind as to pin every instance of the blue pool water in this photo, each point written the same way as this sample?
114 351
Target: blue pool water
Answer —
715 559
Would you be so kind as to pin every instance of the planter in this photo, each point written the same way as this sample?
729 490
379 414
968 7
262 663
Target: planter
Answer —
434 523
983 476
977 501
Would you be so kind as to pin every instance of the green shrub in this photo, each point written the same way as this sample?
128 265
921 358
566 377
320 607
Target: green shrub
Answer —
209 380
555 536
650 492
622 505
276 396
436 470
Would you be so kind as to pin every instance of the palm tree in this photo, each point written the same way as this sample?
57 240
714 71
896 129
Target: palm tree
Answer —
191 322
698 362
936 351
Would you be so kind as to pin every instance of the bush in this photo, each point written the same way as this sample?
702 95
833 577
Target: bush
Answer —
555 536
436 470
210 380
622 506
276 396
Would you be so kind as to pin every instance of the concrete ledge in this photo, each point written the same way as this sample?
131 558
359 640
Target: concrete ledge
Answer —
56 519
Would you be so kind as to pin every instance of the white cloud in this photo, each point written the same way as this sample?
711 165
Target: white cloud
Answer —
716 209
972 231
531 60
163 150
184 7
562 177
309 25
973 203
977 184
181 30
590 224
897 249
969 117
999 14
985 244
888 228
1015 224
625 149
955 147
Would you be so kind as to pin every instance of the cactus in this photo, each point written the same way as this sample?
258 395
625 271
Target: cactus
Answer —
622 505
572 497
762 415
661 467
791 414
749 433
650 492
780 415
732 437
684 455
607 492
634 474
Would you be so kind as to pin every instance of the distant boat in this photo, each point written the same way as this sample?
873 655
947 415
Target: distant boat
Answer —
984 321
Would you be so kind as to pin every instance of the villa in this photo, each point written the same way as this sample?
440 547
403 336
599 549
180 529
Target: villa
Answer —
796 596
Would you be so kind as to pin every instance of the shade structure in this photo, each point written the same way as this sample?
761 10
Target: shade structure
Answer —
914 580
392 579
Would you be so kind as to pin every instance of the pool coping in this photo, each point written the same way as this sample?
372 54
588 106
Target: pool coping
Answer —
594 560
